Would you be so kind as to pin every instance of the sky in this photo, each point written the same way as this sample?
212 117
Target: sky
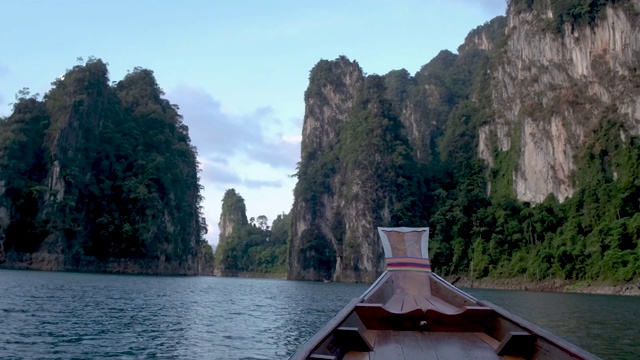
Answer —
237 69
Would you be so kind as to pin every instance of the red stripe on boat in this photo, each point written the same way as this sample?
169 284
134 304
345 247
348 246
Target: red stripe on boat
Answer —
406 263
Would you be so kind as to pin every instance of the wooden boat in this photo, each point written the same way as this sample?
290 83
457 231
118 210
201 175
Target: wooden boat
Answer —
412 313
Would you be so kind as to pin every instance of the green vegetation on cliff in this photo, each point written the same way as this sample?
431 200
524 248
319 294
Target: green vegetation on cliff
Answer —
250 246
412 143
373 147
572 12
99 177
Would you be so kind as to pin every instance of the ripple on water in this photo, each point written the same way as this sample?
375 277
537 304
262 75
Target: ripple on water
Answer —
80 316
71 315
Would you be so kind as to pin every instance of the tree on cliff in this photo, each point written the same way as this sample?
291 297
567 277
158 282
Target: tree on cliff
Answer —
105 174
373 147
244 247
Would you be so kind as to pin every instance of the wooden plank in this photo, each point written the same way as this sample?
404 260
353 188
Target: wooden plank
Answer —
473 319
387 347
411 282
409 303
352 339
417 346
381 291
423 303
378 317
463 346
448 294
494 344
446 346
488 339
476 348
395 303
321 357
443 306
371 336
353 355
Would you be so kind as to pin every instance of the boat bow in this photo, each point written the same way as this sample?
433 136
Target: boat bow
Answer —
412 313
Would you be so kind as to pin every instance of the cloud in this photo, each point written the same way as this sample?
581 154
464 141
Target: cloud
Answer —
249 152
230 144
222 175
218 174
257 135
258 184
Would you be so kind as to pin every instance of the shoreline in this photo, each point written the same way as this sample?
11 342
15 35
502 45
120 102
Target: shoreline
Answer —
252 275
631 288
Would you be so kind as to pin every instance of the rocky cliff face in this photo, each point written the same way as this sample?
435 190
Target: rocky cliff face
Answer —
351 137
75 110
234 213
552 85
522 95
233 216
99 178
364 140
331 94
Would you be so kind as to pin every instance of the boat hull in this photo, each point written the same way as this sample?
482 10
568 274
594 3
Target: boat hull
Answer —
419 315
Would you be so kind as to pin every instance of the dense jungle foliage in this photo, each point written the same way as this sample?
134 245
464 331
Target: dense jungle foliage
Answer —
97 172
252 246
571 12
593 235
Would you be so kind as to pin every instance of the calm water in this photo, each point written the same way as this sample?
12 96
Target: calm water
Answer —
68 315
606 325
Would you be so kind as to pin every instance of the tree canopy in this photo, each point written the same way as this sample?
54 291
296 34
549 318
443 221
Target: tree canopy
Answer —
104 172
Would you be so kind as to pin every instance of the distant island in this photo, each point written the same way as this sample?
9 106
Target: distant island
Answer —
250 247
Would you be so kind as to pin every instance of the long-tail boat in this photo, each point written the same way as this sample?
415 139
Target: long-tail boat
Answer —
411 313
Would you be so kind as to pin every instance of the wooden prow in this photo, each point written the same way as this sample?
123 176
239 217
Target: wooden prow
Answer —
406 248
412 313
406 252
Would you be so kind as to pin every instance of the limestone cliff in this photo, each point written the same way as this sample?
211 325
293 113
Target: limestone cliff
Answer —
355 155
331 94
553 84
99 177
233 216
234 213
516 105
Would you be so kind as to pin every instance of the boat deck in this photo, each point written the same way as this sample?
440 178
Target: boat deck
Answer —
413 345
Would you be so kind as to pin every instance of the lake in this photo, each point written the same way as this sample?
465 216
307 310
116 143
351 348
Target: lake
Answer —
74 315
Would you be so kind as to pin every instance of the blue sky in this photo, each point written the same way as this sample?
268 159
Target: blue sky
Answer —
237 69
